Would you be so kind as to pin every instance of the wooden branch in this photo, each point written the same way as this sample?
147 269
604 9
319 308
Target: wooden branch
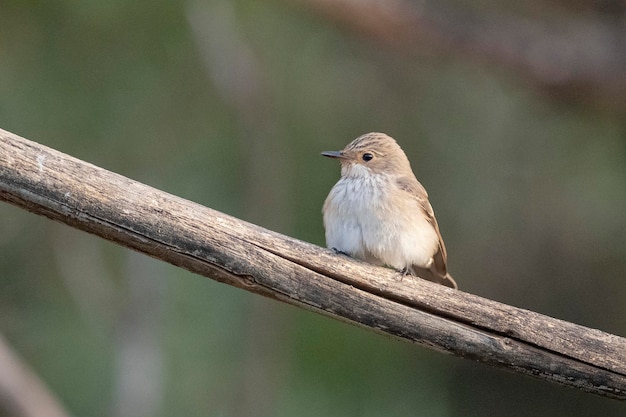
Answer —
232 251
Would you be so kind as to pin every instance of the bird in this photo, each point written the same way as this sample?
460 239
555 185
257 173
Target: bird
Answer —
379 212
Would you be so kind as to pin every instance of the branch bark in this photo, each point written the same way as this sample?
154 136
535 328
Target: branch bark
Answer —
229 250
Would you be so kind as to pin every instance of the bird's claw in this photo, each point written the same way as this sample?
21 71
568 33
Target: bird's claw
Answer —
404 272
338 252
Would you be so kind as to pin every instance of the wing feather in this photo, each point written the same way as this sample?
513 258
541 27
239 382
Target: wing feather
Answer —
417 190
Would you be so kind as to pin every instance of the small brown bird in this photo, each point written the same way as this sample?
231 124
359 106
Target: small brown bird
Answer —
379 212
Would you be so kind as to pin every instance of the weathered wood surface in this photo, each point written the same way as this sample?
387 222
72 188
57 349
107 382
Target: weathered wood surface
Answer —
229 250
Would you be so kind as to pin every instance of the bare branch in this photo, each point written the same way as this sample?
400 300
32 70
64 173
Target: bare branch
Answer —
232 251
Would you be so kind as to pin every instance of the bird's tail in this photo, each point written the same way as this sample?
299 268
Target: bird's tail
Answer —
448 281
432 276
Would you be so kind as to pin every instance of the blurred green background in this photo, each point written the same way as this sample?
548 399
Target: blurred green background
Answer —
228 104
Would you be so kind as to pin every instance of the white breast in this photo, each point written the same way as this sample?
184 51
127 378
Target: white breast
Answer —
372 219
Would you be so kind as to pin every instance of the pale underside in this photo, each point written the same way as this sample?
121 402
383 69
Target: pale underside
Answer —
374 219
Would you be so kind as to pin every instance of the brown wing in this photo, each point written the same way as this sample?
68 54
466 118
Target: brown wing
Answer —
439 269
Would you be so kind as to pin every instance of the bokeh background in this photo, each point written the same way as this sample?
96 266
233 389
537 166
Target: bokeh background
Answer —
514 118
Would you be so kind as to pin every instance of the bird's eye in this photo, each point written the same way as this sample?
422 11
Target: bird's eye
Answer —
367 156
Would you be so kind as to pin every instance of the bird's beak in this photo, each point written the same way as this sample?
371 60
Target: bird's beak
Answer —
333 154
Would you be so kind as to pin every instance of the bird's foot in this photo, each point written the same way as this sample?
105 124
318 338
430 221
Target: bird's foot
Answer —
338 252
404 272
